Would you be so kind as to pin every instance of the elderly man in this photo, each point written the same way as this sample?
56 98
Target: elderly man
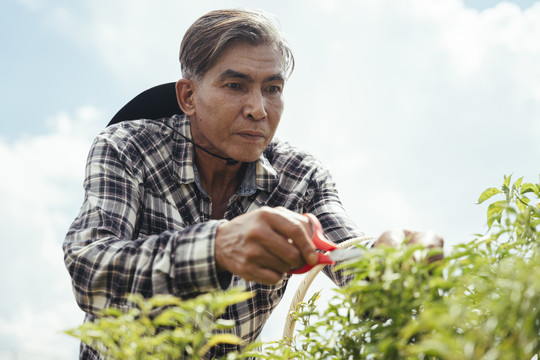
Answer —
208 199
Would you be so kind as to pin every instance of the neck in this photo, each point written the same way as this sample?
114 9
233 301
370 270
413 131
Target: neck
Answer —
216 175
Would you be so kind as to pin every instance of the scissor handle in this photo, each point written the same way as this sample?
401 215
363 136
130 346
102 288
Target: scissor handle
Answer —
323 259
321 243
318 238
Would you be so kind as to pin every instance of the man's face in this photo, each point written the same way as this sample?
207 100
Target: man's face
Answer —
238 102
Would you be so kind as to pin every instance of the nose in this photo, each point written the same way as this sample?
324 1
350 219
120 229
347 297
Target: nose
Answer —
255 106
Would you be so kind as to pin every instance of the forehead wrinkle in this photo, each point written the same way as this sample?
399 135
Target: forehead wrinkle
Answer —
229 73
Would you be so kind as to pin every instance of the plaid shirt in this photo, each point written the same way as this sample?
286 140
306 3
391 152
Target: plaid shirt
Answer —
145 225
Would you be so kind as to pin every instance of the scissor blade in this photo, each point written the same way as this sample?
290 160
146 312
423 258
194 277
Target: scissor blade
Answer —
346 254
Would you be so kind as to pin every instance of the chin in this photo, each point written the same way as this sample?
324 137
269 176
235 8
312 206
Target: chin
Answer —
248 158
247 154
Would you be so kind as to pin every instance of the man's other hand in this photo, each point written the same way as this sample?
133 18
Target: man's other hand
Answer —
428 239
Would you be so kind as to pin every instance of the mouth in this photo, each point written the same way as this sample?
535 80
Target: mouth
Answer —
252 135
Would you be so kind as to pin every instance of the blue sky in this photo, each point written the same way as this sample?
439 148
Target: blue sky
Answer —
416 106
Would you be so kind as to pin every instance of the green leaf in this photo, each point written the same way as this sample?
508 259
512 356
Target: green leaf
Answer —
522 203
239 297
494 211
507 180
506 186
218 339
488 193
518 182
521 206
528 187
224 324
162 300
113 312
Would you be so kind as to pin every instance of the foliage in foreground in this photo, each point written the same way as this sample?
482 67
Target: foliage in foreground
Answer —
162 327
480 302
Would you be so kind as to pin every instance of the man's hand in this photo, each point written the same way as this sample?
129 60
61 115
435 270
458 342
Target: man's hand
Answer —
263 245
428 239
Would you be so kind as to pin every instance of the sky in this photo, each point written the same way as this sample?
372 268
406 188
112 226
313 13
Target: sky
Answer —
416 106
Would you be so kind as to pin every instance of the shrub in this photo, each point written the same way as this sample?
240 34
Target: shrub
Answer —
479 302
162 327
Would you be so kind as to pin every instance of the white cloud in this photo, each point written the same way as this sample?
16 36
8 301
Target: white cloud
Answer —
41 191
417 107
138 40
37 334
436 100
33 5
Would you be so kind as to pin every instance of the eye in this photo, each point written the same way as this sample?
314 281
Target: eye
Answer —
234 86
274 89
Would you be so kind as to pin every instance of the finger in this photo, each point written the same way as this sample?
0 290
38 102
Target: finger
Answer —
263 275
293 226
272 241
254 263
428 238
281 247
248 263
390 238
300 218
261 247
263 258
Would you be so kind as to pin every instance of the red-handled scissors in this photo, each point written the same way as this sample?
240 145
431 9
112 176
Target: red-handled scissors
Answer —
333 253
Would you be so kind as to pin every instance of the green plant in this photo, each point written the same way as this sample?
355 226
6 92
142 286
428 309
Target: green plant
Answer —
481 301
162 327
492 310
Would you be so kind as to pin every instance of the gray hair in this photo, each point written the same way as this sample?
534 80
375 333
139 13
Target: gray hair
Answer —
209 36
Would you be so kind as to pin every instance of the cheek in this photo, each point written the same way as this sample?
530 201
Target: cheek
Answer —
213 130
275 106
222 109
210 119
277 111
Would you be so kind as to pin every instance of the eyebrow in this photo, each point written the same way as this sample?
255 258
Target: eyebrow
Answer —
229 73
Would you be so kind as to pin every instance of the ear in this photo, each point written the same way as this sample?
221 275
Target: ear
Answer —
185 90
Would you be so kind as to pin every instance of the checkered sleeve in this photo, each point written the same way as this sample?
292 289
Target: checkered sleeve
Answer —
326 205
104 254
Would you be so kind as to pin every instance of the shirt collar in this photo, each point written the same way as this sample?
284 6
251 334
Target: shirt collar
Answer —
260 174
